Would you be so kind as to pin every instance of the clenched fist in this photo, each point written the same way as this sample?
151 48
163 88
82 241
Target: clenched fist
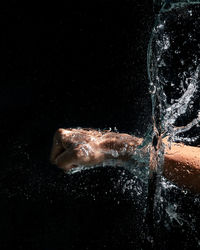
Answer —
73 147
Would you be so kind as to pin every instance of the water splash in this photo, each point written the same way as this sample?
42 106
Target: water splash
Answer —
174 72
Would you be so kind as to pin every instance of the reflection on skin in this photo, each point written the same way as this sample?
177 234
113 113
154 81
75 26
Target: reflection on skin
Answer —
73 147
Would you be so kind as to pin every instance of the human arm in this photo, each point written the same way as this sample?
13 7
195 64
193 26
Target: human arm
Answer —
73 147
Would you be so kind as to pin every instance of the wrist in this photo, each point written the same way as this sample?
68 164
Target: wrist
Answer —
121 146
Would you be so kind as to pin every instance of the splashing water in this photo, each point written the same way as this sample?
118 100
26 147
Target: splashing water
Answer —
174 72
174 69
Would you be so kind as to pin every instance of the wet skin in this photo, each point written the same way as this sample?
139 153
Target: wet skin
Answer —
73 147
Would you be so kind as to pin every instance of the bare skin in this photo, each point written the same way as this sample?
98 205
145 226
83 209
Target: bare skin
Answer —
73 147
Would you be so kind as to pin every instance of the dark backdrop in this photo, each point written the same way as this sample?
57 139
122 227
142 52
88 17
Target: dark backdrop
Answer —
83 65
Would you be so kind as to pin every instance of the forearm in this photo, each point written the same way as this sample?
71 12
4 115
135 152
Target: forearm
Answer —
119 146
182 166
181 163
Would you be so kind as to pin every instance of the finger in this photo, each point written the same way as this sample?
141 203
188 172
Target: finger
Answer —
67 159
86 155
57 147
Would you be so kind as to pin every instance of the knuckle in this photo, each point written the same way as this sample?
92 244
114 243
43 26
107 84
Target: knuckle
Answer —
60 131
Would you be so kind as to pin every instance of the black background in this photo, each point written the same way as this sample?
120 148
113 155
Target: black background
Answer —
62 66
83 65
